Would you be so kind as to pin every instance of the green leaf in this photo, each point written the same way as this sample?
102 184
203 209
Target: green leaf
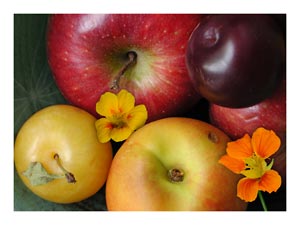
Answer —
34 86
38 175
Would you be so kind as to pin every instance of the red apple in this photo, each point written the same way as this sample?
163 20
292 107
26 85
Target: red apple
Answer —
143 53
270 114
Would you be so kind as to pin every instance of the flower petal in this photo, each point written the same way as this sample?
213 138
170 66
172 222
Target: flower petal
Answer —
235 165
270 181
121 134
247 189
137 117
107 105
241 148
104 128
265 142
126 101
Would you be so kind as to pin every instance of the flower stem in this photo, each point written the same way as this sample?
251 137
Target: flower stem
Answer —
263 203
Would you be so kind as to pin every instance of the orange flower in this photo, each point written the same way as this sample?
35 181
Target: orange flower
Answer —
247 156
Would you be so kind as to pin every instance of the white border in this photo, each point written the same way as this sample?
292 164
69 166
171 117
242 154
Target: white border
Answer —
8 216
154 6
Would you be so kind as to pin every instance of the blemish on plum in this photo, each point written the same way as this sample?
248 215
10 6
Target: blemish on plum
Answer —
211 37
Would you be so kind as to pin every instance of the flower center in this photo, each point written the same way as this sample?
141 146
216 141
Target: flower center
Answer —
255 167
118 120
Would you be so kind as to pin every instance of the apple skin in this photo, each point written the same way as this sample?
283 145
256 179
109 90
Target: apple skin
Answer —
270 114
138 177
86 52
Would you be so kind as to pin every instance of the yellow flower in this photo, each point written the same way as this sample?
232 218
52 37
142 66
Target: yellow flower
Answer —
247 156
121 116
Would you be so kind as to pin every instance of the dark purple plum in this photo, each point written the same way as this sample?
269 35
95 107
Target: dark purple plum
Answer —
236 60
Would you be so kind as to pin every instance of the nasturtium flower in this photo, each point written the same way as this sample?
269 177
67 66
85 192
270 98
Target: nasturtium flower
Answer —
120 116
247 156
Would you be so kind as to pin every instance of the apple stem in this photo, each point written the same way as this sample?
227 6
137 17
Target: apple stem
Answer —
131 60
69 176
175 175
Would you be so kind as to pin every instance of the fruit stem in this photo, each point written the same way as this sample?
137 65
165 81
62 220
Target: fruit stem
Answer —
176 175
131 60
69 176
